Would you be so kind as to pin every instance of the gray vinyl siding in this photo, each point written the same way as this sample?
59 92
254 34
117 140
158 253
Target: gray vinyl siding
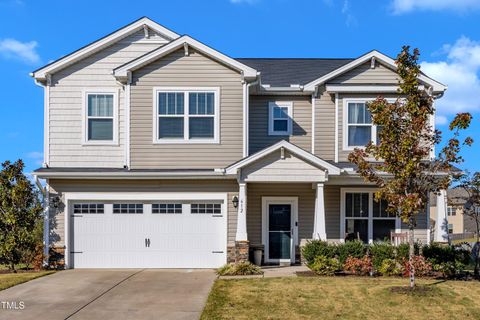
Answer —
364 74
65 100
301 125
178 70
59 187
325 125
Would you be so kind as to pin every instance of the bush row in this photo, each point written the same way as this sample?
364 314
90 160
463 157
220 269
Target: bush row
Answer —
383 258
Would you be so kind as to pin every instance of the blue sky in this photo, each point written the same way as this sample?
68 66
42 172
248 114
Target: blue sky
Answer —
32 33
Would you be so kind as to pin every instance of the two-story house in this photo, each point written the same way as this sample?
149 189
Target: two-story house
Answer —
163 152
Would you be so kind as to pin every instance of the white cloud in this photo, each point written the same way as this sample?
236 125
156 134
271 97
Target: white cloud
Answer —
24 51
36 156
460 71
404 6
350 19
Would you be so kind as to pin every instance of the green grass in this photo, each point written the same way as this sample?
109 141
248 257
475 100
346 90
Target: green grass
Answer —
8 280
340 298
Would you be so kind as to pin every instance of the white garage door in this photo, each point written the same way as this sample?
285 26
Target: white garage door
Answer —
166 234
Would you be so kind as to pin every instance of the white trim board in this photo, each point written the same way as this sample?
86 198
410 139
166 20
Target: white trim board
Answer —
121 72
293 201
437 86
98 45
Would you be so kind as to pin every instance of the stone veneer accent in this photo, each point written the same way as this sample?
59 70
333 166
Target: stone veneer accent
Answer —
242 251
56 258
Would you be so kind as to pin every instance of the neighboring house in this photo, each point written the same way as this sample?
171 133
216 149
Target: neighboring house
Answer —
163 152
459 225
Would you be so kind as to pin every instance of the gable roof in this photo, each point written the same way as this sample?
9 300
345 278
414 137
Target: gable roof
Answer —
299 152
40 74
283 72
437 86
122 71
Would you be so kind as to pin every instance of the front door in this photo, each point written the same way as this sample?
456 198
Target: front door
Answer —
280 224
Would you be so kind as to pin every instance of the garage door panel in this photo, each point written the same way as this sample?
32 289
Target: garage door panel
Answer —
176 240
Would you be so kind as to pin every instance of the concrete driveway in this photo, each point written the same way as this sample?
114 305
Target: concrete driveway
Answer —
111 294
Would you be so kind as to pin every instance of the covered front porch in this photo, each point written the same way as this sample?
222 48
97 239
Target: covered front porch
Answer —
287 196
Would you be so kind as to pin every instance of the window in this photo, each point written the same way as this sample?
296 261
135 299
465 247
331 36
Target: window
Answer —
365 218
186 115
280 118
128 208
100 122
208 208
88 208
450 228
451 211
167 208
359 124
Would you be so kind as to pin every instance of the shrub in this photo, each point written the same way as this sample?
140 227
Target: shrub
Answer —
390 267
325 266
361 266
355 249
421 265
380 251
239 269
439 254
315 248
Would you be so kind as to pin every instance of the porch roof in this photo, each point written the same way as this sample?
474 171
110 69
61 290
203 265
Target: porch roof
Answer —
293 149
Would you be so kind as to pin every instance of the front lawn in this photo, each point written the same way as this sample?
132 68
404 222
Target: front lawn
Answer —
8 280
340 298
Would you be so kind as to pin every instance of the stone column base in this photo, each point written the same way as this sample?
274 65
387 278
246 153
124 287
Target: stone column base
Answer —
241 251
56 258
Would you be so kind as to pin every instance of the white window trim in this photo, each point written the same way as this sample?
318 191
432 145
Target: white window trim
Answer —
345 102
85 94
371 192
186 140
271 105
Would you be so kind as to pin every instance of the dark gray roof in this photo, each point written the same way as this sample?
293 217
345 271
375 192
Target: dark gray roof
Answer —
282 72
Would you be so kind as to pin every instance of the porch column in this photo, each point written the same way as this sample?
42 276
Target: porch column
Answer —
441 221
319 230
241 239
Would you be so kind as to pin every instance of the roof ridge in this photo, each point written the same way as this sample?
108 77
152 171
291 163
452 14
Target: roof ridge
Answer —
296 58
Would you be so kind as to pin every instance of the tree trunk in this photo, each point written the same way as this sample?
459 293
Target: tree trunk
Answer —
477 249
411 255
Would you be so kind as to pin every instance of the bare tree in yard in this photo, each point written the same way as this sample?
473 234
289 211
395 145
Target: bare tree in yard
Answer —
20 212
400 163
471 185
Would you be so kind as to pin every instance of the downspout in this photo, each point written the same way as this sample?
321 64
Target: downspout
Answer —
46 219
46 119
246 118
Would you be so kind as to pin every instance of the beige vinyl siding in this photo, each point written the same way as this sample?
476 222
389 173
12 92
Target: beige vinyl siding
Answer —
306 207
364 74
59 187
178 70
273 168
301 125
65 100
325 125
